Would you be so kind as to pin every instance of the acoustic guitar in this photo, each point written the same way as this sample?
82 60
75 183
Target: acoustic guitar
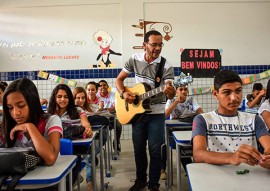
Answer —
130 113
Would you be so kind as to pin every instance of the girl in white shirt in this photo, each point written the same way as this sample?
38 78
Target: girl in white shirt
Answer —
26 125
264 109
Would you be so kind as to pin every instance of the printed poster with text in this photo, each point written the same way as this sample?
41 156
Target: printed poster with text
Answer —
201 62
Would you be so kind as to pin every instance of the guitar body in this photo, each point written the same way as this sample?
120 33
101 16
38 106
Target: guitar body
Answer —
130 113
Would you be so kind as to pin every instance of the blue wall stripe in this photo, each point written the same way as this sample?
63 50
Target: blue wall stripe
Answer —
112 73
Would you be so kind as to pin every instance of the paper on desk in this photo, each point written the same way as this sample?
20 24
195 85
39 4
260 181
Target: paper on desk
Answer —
104 113
251 110
66 122
16 149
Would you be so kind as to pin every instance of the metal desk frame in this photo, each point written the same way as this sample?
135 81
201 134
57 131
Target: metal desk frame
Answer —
173 125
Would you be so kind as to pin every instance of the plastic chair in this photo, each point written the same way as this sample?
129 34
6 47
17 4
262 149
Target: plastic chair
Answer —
66 147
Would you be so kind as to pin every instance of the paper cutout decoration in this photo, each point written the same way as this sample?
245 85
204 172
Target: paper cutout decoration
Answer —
193 91
43 75
53 77
71 83
246 80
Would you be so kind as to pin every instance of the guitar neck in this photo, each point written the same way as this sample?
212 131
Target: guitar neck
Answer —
151 93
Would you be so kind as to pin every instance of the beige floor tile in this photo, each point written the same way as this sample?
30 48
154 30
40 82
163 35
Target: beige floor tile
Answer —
123 172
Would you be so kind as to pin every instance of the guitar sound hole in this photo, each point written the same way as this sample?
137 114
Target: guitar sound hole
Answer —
136 101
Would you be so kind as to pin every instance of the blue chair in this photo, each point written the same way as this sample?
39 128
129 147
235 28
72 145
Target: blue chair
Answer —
66 147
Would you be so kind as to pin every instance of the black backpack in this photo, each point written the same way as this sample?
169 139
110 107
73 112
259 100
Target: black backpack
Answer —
15 165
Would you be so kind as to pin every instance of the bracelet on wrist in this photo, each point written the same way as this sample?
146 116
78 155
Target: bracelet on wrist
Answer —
122 94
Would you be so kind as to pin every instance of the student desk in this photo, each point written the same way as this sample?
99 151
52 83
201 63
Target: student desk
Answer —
44 176
208 177
182 139
89 142
99 128
173 125
107 154
112 118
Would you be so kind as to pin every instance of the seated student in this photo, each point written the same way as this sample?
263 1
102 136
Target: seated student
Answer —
227 136
175 108
26 125
79 95
62 104
92 99
264 110
3 86
108 100
256 98
182 105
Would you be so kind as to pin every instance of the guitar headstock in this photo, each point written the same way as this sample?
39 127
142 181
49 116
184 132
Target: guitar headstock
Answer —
183 80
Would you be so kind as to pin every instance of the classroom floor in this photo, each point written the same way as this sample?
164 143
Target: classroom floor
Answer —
123 172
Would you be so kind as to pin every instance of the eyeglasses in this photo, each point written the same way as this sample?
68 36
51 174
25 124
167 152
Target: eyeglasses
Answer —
156 45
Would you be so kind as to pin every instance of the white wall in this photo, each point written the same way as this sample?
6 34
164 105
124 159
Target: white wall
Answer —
240 29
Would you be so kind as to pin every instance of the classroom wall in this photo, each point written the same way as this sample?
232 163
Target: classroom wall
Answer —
33 30
57 37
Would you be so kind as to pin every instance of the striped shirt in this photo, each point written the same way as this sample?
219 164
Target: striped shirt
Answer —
146 72
228 133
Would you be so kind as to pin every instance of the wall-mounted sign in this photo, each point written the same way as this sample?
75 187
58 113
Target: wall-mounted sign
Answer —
201 62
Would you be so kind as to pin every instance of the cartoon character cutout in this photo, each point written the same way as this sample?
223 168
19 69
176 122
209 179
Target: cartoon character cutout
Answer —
103 39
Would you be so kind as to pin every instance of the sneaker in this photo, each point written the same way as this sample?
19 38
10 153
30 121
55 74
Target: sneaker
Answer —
118 148
155 188
138 186
81 179
96 161
163 175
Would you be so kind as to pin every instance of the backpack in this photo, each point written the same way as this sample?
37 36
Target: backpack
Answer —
72 129
188 118
15 164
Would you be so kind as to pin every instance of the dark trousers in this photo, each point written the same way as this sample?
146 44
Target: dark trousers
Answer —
149 128
118 129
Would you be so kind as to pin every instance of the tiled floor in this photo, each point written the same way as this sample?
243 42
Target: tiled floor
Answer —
123 172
